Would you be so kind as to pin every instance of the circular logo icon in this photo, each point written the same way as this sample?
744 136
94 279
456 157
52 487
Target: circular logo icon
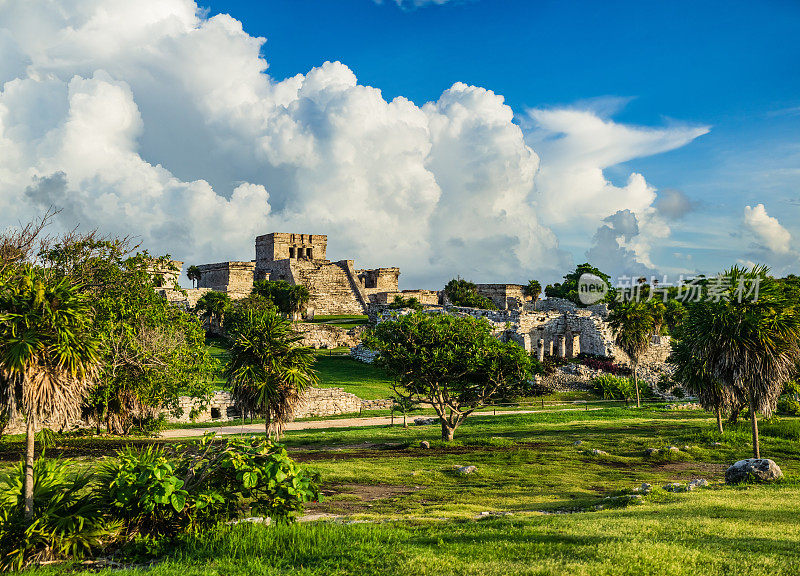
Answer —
591 289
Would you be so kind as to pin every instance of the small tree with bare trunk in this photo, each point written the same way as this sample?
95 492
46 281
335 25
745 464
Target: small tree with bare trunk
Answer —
452 363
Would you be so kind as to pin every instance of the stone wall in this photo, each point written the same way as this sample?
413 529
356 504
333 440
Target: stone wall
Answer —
379 280
363 354
235 278
424 297
334 287
328 336
504 296
281 245
315 402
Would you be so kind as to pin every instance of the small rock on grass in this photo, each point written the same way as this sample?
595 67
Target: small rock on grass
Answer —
697 483
598 452
674 487
466 469
577 442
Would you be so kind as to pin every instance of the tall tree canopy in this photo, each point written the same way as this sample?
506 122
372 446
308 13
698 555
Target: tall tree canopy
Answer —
268 369
48 351
633 324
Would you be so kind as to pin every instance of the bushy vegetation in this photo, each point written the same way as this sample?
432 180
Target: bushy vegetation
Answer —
400 302
452 363
68 521
462 292
613 387
568 289
148 494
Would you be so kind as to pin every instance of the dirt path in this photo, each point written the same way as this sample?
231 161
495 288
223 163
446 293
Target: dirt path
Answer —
337 423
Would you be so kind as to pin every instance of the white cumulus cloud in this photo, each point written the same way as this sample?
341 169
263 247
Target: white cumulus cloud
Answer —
767 230
149 118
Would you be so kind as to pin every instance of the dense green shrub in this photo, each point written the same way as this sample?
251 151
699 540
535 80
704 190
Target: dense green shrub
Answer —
400 302
156 492
462 292
616 388
68 520
788 406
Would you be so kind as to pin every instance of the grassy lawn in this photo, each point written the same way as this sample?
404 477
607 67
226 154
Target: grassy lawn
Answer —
393 507
364 380
342 321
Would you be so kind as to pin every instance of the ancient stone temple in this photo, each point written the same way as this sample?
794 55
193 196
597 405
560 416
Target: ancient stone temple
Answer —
335 287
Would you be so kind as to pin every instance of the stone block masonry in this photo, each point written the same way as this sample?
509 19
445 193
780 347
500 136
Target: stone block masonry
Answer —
314 402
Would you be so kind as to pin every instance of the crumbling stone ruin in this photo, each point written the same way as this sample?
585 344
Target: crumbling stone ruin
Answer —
335 287
553 327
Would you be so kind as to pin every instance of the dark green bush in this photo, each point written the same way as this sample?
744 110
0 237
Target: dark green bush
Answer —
68 522
164 493
617 388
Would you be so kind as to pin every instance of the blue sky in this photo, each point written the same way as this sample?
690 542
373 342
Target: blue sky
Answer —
498 140
734 66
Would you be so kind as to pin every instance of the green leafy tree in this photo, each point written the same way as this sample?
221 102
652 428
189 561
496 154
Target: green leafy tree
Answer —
400 302
533 289
451 363
462 292
212 306
290 299
151 352
268 369
633 326
568 289
752 345
49 350
193 274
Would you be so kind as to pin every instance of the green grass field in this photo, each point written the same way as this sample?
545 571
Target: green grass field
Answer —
363 380
342 321
334 368
537 503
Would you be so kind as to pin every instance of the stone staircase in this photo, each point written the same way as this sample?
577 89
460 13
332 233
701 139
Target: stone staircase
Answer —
331 285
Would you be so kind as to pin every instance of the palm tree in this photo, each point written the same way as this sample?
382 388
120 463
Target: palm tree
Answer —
268 370
213 307
751 344
47 351
695 374
533 289
193 274
633 325
298 298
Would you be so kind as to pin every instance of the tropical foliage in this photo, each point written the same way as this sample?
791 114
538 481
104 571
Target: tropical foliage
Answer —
568 289
268 368
751 345
47 350
453 364
290 299
462 292
634 325
67 522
